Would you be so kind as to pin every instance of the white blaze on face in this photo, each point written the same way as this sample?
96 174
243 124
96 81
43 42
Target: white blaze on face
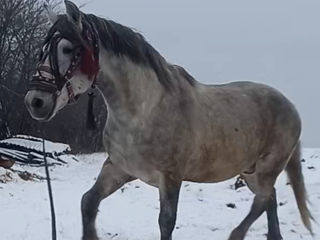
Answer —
80 82
64 55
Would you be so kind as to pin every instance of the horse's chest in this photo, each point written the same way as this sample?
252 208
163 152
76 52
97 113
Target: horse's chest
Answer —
147 153
137 154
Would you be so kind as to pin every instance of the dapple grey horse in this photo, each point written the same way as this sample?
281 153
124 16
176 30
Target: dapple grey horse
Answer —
163 126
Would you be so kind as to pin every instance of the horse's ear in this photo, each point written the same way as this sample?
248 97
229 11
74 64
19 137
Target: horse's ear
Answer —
73 13
52 16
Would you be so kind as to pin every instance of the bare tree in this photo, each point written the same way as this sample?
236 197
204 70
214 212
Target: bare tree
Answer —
22 29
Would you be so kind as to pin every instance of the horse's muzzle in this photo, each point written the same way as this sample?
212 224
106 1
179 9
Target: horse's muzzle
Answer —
40 104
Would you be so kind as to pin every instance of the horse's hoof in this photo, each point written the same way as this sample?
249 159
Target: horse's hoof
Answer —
236 235
90 238
274 237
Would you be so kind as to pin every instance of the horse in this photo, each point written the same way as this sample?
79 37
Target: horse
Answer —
163 126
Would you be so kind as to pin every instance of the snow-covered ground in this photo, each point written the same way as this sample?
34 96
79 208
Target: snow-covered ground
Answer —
132 213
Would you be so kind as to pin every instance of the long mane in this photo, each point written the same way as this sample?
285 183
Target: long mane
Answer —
122 41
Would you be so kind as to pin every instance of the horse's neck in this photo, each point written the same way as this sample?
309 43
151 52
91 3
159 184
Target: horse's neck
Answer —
128 88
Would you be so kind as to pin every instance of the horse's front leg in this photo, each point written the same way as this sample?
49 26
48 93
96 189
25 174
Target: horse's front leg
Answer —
169 194
109 180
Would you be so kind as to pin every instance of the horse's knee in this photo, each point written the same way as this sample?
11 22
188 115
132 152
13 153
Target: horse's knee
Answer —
89 210
89 204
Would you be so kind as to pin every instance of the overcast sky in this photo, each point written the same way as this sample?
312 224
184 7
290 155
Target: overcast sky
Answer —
217 41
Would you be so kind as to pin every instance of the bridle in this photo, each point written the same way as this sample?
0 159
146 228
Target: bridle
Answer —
49 79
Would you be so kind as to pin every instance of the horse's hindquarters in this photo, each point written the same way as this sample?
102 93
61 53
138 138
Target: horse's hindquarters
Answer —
238 125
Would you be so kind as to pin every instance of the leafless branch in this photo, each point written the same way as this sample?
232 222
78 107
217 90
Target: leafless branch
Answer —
10 90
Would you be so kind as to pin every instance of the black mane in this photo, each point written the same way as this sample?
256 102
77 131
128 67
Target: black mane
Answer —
122 41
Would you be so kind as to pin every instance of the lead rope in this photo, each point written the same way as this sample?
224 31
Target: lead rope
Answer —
53 216
91 123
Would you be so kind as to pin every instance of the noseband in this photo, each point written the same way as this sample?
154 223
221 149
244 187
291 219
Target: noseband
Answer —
49 79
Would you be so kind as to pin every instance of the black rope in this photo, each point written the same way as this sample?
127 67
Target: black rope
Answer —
91 123
53 216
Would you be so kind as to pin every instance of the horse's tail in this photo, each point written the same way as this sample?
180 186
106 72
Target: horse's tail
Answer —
294 171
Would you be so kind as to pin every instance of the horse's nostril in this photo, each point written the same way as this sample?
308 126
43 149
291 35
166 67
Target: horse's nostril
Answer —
37 103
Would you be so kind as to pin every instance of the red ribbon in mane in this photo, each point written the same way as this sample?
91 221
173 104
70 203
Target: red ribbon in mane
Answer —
89 64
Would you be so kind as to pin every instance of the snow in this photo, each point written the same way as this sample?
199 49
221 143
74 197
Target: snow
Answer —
28 150
132 212
34 143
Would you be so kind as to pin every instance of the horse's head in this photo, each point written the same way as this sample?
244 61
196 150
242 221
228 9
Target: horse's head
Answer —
68 64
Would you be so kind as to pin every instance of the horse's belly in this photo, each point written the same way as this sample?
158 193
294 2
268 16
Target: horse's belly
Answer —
216 169
210 175
207 175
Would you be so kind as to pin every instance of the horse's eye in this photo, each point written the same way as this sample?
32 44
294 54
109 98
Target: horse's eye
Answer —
67 50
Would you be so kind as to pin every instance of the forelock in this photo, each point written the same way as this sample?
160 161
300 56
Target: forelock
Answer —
66 29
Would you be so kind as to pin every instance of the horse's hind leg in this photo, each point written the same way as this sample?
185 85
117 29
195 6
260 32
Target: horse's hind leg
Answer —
109 180
273 220
260 204
258 207
261 182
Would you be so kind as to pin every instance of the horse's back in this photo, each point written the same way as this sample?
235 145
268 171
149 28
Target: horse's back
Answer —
250 100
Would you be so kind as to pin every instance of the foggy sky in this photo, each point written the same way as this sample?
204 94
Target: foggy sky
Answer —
218 41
